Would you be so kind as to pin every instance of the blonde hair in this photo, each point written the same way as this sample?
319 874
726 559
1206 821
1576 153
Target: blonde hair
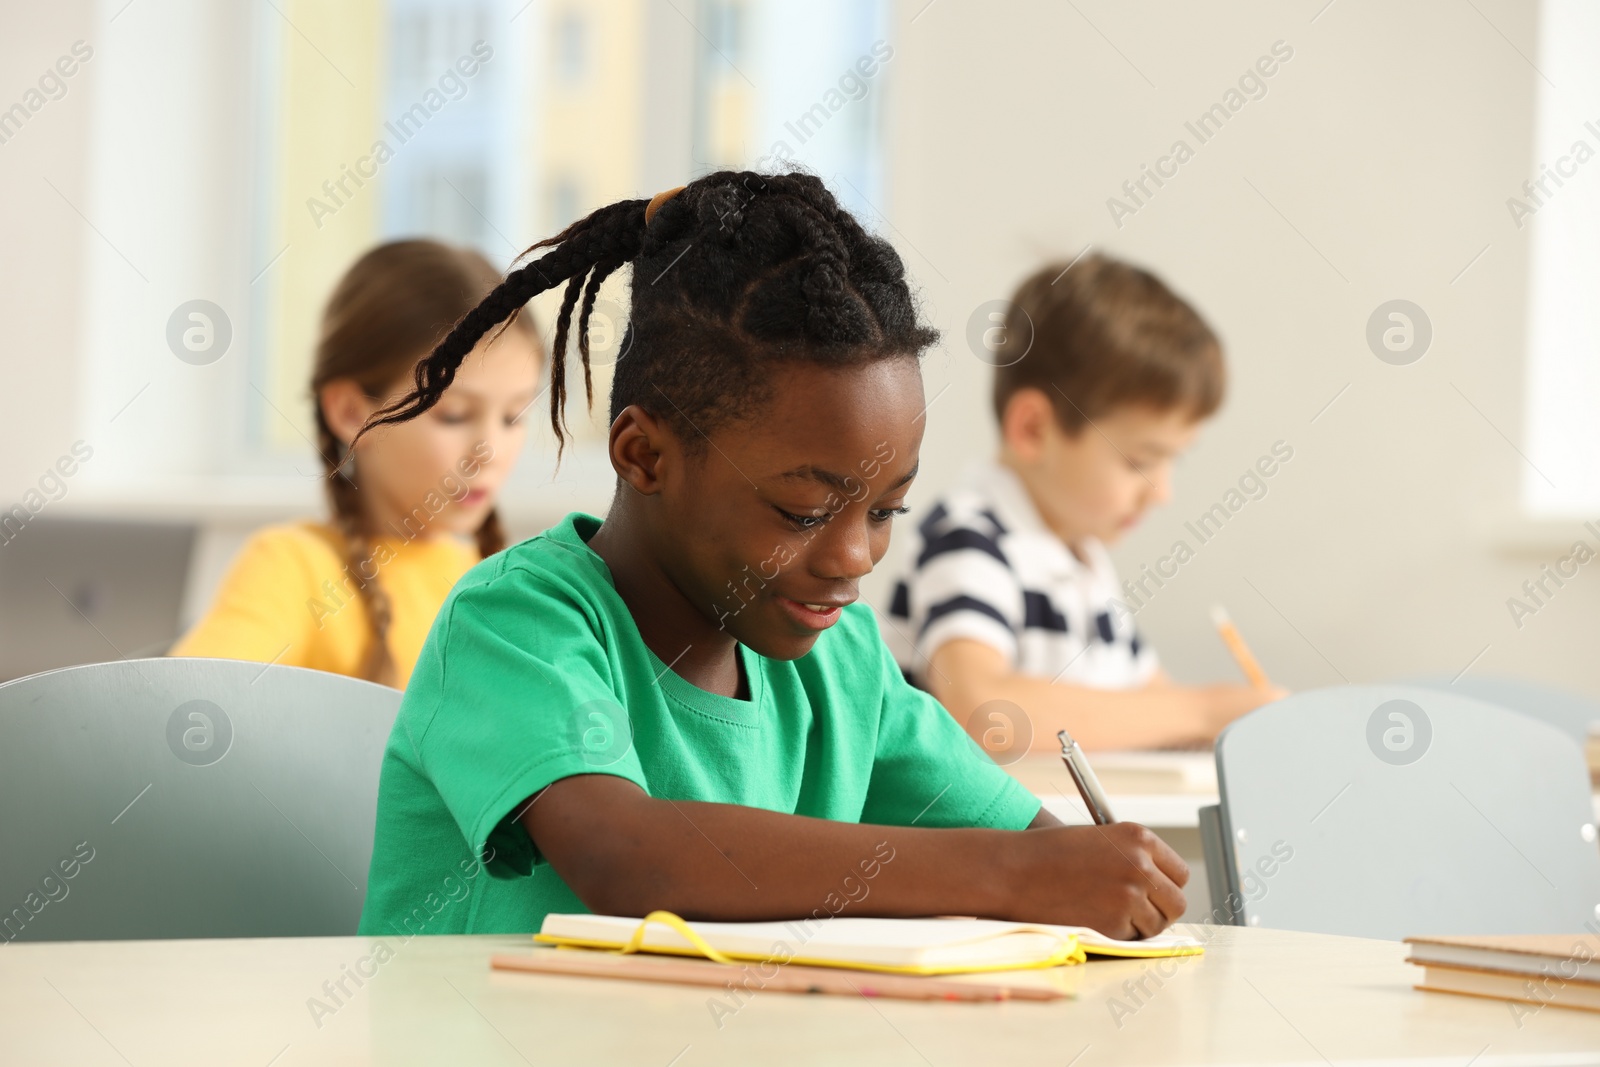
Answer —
385 315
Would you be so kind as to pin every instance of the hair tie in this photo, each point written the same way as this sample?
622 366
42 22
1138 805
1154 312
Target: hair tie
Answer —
657 200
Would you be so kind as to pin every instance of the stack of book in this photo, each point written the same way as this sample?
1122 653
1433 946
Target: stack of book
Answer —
1555 970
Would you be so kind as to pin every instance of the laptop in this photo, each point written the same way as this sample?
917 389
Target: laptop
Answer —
89 590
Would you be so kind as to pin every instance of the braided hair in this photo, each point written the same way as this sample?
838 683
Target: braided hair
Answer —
735 273
394 303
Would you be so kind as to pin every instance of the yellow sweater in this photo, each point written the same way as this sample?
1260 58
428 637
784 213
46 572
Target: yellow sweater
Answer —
291 598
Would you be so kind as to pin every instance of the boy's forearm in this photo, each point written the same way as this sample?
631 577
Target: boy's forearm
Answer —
626 853
734 863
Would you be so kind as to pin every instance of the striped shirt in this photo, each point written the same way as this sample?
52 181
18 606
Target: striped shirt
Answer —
983 565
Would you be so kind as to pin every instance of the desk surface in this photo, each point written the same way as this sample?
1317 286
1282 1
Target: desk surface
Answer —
1256 997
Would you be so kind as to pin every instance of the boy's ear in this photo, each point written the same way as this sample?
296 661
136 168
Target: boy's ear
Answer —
1028 423
638 440
346 407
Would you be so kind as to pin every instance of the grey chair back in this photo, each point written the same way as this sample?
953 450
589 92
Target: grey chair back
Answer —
1390 811
168 798
1571 713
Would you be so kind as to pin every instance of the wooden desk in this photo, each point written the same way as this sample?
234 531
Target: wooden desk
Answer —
1256 997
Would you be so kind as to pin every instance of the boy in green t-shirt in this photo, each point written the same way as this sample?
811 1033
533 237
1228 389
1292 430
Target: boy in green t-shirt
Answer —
682 708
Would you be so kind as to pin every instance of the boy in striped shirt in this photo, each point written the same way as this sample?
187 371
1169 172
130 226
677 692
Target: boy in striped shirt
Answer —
1007 591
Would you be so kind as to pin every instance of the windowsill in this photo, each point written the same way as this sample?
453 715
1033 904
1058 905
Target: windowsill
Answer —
538 494
1541 535
527 505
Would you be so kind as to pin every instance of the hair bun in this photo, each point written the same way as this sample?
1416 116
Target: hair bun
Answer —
721 209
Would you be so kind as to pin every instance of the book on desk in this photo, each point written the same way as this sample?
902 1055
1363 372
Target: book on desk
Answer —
942 958
1544 969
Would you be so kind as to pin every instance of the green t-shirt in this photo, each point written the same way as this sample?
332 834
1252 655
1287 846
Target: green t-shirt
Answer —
524 680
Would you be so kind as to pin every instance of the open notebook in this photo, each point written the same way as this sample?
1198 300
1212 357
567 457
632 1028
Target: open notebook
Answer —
901 946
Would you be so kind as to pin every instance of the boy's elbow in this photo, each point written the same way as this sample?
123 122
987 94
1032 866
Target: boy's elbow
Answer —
626 889
595 877
603 899
600 835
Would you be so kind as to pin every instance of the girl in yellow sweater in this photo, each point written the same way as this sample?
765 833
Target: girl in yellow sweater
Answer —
412 506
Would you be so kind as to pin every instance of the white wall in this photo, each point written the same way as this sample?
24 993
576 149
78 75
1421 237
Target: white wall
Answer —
1388 143
40 273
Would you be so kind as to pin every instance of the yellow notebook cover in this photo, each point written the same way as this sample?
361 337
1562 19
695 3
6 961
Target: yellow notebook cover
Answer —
894 946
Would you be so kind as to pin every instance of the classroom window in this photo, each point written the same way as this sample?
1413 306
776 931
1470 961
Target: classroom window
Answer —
569 106
569 41
523 148
781 84
421 141
444 182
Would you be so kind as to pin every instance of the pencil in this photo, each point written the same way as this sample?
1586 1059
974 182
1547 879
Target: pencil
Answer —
1241 651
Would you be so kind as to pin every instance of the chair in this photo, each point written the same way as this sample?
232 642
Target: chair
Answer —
1568 712
166 798
1390 811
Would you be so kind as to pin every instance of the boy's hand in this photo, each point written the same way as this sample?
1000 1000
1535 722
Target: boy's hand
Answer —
1224 703
1120 879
